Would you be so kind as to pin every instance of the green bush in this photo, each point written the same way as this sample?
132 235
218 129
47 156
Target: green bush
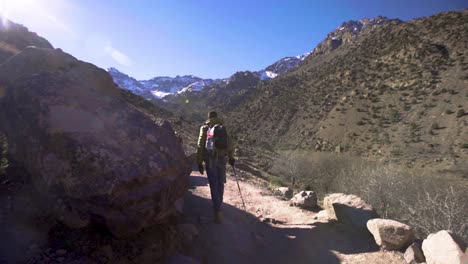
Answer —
276 181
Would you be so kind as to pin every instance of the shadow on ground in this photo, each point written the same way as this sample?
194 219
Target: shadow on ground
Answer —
242 238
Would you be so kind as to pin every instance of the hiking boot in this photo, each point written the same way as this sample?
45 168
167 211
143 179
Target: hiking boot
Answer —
218 217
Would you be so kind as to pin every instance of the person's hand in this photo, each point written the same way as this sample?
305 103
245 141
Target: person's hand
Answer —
232 161
200 169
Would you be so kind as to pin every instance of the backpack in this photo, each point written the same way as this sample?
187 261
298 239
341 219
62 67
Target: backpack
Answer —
216 139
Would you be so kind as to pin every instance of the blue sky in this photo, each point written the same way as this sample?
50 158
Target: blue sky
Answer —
210 39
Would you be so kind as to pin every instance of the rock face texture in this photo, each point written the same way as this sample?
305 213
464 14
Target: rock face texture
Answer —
304 199
349 209
92 153
390 234
444 248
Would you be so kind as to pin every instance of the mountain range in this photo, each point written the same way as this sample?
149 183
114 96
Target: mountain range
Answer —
160 87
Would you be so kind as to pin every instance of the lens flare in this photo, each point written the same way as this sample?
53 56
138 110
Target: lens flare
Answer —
3 12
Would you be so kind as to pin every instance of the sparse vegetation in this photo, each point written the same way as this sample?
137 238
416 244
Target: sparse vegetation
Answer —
276 181
460 113
426 202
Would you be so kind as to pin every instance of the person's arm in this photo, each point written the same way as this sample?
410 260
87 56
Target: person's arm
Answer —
201 144
231 148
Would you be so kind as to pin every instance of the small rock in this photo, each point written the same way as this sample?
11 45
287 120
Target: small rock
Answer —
304 199
444 248
285 192
390 234
414 254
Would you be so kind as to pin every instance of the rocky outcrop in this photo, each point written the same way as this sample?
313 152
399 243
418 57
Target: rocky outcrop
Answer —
304 199
284 192
93 154
349 209
444 248
390 234
14 38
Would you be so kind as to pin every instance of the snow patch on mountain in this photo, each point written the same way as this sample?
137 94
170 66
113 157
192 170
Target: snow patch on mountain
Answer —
159 94
267 75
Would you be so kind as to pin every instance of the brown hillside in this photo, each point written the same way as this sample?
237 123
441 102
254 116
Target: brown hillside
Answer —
399 90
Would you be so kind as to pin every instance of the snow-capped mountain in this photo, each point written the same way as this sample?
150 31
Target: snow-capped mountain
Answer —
169 84
126 82
161 87
282 66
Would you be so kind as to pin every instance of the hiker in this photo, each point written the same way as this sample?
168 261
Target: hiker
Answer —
214 146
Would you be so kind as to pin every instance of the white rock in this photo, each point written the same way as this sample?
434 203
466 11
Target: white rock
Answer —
444 248
304 199
390 234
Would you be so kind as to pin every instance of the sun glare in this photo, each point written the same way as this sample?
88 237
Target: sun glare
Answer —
7 7
3 12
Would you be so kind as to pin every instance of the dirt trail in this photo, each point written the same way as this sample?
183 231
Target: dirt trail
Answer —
295 237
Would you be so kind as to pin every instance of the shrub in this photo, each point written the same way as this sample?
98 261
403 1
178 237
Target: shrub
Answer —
425 202
276 181
394 116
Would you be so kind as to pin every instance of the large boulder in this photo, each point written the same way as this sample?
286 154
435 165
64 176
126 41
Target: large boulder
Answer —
89 151
349 209
444 248
390 234
304 199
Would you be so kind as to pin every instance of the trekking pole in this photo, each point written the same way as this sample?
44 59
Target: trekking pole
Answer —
238 186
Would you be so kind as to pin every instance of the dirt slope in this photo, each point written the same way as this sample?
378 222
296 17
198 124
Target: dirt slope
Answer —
296 237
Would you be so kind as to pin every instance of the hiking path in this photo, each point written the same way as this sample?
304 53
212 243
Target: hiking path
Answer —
270 231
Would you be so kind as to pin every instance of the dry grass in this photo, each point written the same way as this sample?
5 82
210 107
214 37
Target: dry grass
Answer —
426 202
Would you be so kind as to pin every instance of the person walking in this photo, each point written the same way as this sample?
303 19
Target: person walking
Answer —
215 148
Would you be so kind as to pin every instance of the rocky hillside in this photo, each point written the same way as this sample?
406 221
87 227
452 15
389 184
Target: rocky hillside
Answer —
15 37
398 90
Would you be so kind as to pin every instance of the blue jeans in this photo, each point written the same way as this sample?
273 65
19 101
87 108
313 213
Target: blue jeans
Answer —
216 171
